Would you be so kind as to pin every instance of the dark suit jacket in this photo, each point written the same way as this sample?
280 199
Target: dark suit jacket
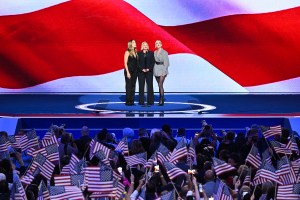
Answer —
149 64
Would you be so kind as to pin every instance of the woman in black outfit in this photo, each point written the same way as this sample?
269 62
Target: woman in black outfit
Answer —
130 72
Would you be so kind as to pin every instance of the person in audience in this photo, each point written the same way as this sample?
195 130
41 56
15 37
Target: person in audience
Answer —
4 190
181 133
146 141
209 186
66 148
167 137
136 147
83 143
228 143
129 134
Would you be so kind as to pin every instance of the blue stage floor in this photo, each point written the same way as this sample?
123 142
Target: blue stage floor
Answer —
73 105
97 111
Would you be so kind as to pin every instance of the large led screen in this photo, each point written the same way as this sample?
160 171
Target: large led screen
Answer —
214 46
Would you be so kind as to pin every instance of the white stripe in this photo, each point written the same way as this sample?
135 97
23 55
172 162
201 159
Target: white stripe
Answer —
178 12
14 7
192 72
286 86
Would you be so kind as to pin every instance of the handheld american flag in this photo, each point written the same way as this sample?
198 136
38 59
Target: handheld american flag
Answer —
172 170
136 159
221 167
99 179
43 192
163 153
179 151
221 191
266 173
29 140
285 171
253 157
280 148
18 192
290 192
65 192
44 165
123 146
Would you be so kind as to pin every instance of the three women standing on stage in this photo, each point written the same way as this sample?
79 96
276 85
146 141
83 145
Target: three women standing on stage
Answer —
141 64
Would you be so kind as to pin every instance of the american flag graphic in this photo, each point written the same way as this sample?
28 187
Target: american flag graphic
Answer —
285 171
266 173
99 179
29 140
253 157
123 146
137 159
65 192
221 167
180 151
192 32
163 153
290 192
43 192
172 170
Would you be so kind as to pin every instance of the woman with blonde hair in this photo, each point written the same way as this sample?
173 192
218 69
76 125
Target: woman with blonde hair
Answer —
160 69
130 71
145 73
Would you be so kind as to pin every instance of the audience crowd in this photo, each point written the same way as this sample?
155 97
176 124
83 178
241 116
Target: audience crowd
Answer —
259 163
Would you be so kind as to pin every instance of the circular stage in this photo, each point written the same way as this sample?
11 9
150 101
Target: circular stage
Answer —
169 107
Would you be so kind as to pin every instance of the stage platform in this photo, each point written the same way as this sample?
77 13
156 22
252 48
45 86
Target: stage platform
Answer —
107 110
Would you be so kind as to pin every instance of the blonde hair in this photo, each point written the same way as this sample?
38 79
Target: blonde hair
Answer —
130 48
143 44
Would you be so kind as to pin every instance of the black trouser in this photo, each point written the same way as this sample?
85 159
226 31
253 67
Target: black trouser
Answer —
148 76
130 86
